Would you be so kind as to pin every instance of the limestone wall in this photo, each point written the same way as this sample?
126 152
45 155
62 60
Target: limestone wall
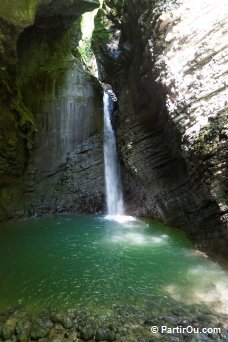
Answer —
48 104
169 70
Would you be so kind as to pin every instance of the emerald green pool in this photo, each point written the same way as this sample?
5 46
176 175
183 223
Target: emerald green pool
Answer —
94 263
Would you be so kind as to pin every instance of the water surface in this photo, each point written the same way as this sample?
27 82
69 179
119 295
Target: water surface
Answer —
94 263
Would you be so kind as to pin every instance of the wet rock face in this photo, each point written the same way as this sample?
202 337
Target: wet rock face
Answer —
75 185
16 123
68 111
172 121
48 104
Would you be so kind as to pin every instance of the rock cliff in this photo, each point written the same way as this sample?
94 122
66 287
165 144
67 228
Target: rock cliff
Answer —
168 63
49 106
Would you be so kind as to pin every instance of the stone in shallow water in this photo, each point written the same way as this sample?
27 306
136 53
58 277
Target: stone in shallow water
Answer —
87 332
8 328
63 319
23 329
150 321
40 328
67 322
105 335
71 313
178 311
57 338
72 337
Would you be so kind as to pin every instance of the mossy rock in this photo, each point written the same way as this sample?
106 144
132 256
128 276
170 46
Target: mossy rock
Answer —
101 34
19 12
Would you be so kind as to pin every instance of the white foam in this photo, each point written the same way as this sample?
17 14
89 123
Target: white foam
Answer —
120 218
134 238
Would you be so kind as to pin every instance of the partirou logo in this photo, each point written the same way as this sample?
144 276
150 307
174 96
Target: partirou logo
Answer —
179 329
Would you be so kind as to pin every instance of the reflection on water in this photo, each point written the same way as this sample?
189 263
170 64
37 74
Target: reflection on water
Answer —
208 283
96 262
139 239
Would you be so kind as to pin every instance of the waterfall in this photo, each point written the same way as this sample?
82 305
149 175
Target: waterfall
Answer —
113 187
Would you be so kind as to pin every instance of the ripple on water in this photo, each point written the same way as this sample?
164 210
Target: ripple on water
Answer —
138 239
98 262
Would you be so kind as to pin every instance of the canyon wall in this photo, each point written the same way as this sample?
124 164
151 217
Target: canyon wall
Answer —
168 63
51 110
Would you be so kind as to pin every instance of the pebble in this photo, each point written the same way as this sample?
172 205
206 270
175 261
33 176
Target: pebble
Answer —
130 325
105 335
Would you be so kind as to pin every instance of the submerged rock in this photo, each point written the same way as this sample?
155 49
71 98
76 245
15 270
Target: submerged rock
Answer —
129 325
67 323
40 328
23 329
105 334
9 328
62 318
86 332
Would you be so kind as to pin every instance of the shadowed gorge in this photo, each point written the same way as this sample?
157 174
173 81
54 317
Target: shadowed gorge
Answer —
113 170
168 66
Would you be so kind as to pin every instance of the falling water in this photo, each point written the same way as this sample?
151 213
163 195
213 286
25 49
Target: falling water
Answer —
113 188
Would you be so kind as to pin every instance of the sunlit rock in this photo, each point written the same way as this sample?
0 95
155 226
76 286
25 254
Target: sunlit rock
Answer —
172 119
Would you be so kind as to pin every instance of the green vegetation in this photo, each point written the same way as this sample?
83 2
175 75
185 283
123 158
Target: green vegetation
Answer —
84 51
20 12
100 33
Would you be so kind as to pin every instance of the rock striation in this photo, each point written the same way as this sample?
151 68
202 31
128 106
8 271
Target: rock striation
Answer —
48 102
74 185
169 69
